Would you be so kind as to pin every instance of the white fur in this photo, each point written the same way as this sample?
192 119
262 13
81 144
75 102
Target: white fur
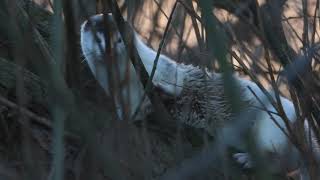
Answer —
132 91
269 136
169 76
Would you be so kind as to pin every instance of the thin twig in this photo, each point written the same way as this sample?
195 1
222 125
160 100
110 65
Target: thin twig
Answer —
190 11
298 17
269 113
161 46
293 29
315 23
34 117
305 33
277 94
195 25
246 69
155 62
183 45
166 120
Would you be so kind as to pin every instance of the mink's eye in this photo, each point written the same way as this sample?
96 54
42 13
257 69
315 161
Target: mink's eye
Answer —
98 40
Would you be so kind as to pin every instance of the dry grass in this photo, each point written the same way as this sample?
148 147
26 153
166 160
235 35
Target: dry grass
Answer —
70 132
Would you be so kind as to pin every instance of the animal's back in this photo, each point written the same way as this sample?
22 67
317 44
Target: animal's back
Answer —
203 104
269 136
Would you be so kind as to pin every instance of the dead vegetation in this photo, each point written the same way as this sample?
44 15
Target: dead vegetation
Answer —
55 121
